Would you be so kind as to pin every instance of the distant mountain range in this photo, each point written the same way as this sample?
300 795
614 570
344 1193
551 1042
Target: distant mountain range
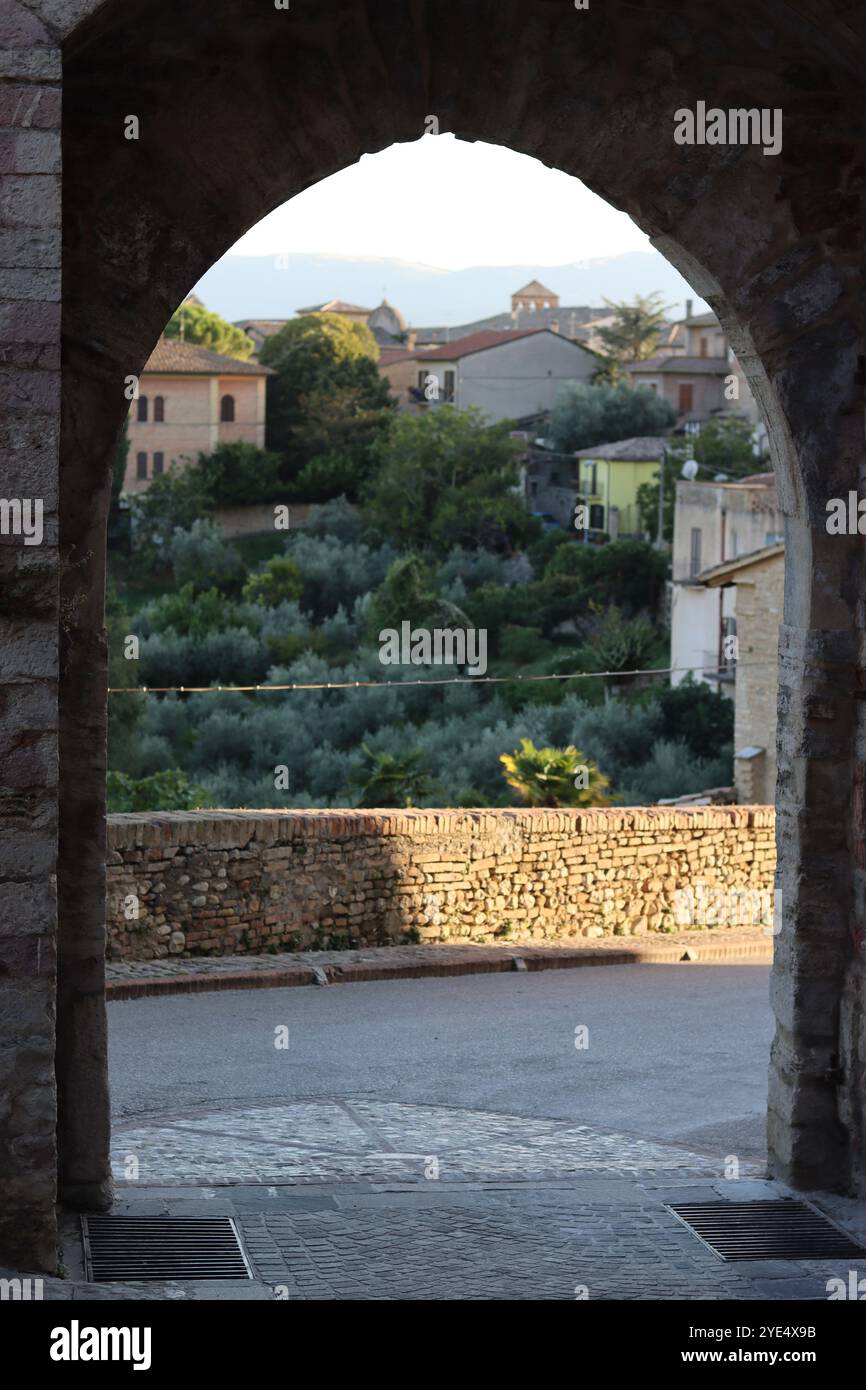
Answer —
276 287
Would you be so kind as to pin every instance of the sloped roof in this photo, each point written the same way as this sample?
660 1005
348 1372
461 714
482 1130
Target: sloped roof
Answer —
480 342
172 357
334 306
714 576
388 356
536 287
643 449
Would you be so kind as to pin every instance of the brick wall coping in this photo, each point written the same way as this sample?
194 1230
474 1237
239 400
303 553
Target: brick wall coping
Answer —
242 826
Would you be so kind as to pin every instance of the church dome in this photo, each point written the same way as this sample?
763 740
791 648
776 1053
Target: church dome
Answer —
388 319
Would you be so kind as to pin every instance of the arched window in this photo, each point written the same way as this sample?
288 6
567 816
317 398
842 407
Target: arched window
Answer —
227 410
142 408
159 409
141 466
158 464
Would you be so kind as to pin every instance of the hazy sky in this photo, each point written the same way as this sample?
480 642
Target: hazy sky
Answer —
445 202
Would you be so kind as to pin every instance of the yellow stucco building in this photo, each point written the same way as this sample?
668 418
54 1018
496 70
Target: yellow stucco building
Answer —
609 476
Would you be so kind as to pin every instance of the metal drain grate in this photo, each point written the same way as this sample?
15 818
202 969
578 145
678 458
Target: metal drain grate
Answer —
784 1229
162 1247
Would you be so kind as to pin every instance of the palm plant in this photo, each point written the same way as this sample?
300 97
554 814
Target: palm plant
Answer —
555 776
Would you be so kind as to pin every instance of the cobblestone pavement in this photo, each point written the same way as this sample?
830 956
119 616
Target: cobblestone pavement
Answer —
373 1200
328 1140
142 977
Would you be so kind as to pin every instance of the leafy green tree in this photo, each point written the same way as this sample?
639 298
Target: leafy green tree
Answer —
637 327
447 478
196 324
237 473
621 644
176 499
699 716
389 779
329 407
554 776
190 613
630 574
408 593
200 555
584 415
725 444
277 580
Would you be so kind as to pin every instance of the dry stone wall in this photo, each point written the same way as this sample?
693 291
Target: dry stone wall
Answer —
226 882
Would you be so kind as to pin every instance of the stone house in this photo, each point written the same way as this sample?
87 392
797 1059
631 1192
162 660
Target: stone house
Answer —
714 523
191 399
759 582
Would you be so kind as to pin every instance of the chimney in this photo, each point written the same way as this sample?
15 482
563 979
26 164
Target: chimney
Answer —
412 339
688 308
554 325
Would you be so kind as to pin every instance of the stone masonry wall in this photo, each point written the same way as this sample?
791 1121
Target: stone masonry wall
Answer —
30 111
226 882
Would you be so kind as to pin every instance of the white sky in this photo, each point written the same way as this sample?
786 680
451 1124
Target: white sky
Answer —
445 202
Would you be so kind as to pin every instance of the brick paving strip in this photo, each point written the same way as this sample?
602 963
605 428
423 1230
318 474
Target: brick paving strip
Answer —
140 979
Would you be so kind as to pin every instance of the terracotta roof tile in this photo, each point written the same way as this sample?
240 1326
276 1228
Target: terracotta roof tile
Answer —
171 356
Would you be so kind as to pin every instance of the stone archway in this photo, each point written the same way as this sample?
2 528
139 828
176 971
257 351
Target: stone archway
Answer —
238 111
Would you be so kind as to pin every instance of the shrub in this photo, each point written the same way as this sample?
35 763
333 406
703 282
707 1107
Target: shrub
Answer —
201 556
702 718
189 614
627 574
336 572
277 580
389 780
554 776
521 646
337 518
237 473
234 657
170 790
177 499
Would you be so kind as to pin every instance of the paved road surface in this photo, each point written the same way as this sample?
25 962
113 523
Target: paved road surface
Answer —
676 1053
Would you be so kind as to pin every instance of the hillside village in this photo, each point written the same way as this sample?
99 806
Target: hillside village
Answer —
576 561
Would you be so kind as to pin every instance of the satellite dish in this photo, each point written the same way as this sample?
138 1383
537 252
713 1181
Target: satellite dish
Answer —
690 469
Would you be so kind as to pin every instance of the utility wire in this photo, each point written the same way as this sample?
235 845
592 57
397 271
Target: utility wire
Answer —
449 680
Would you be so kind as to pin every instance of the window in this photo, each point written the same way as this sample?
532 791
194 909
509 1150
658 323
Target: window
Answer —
142 409
449 386
158 464
695 564
590 479
596 517
141 466
703 347
686 396
774 537
227 410
159 409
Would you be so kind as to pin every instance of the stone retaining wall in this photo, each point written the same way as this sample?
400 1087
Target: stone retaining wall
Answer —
227 882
